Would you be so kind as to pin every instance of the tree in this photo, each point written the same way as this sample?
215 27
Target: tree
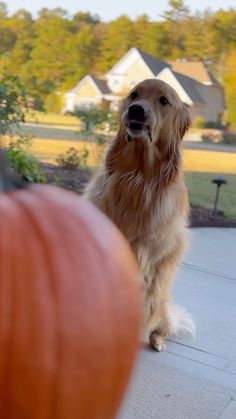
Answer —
230 86
3 10
156 40
141 25
47 66
178 10
84 18
21 25
12 102
118 39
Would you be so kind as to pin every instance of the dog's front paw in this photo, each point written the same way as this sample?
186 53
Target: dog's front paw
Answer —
157 341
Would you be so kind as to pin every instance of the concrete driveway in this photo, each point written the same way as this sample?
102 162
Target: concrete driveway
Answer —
195 379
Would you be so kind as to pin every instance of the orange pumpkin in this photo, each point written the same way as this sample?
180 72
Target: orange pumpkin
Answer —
69 308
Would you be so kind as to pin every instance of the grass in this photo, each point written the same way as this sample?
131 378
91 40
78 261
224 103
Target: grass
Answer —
203 166
202 192
200 168
47 150
52 119
209 161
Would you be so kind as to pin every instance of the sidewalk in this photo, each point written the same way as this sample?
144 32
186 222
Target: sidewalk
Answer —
195 379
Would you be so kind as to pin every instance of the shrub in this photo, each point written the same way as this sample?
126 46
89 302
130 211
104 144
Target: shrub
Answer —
214 125
229 138
212 138
70 160
97 118
22 163
83 156
198 122
13 101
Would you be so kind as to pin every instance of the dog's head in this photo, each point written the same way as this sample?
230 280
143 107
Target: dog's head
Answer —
154 113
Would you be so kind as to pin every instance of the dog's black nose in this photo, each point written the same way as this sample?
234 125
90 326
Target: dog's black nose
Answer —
137 112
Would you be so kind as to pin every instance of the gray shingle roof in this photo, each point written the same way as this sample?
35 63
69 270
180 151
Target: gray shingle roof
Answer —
190 87
102 86
155 65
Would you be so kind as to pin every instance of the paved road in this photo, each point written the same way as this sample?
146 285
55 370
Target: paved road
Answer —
60 133
195 379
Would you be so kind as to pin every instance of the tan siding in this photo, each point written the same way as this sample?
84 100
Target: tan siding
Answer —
136 73
87 90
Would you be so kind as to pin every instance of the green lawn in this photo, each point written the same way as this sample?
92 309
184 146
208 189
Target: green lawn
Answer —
202 191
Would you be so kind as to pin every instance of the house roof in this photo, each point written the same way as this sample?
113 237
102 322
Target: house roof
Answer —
193 69
190 87
155 65
101 85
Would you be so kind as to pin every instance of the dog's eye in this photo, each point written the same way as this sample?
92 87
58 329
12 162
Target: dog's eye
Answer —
133 95
163 101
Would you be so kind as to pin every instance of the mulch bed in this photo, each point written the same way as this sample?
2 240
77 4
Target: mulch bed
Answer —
76 180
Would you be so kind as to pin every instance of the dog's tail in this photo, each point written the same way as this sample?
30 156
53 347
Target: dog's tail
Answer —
181 321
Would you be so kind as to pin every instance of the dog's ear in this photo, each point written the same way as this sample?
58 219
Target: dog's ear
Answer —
184 120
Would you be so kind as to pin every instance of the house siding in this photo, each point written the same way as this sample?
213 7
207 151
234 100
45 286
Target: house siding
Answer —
86 96
136 73
121 84
86 89
197 110
214 99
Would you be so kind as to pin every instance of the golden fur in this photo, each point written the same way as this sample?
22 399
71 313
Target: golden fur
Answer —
141 188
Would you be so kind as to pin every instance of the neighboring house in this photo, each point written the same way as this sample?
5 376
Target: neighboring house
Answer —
191 80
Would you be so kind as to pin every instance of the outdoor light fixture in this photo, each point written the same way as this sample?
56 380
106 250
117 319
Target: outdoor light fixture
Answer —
218 181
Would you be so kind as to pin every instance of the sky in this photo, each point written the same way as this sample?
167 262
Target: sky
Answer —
110 9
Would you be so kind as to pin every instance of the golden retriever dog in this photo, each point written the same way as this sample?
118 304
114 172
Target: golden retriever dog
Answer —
141 188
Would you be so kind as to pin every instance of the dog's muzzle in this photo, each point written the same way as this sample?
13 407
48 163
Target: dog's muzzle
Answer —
137 122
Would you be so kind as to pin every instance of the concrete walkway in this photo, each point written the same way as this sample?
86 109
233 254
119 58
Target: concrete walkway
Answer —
195 379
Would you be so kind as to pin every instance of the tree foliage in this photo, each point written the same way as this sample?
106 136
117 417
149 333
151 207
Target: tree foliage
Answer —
52 52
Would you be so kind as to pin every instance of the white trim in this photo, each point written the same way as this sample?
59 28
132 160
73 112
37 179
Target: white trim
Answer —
87 77
136 54
207 83
112 97
167 71
131 51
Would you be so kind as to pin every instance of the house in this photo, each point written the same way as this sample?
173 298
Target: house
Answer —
192 81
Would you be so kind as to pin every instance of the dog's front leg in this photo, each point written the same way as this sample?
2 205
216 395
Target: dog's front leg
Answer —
158 302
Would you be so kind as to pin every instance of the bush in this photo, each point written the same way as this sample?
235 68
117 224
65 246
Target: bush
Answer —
53 102
214 125
22 163
212 138
13 101
229 138
198 122
92 119
222 137
83 156
69 160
